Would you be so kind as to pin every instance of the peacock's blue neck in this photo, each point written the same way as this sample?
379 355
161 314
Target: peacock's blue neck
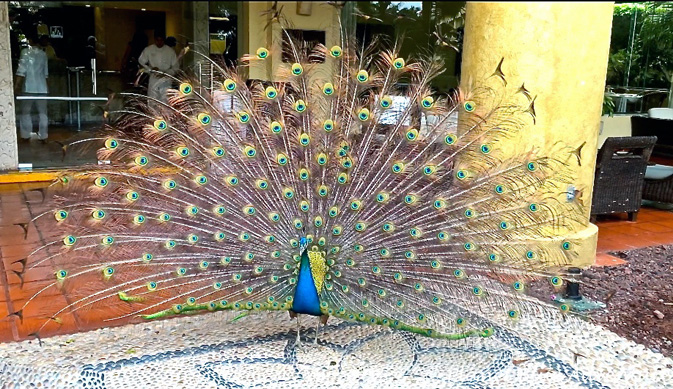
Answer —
305 294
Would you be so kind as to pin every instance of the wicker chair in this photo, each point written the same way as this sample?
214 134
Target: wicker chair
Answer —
661 188
620 172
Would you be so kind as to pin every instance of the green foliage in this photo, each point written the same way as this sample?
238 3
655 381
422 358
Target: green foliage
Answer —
608 106
651 62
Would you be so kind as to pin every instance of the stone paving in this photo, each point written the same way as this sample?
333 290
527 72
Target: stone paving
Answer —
260 350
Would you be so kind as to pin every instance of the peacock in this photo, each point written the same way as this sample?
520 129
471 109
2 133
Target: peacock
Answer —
345 187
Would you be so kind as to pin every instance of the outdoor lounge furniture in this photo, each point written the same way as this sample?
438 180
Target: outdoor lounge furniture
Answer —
658 184
661 128
620 172
660 113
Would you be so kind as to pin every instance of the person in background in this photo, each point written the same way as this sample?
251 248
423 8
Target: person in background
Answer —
172 42
158 58
31 80
47 47
134 48
90 50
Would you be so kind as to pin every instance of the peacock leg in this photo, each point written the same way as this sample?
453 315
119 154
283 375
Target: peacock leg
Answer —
317 329
321 320
298 343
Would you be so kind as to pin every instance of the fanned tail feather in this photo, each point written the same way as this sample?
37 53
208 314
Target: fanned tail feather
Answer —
427 217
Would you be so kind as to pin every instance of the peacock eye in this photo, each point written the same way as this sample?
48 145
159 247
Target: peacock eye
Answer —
182 151
362 76
328 89
335 51
249 151
398 167
328 125
412 134
60 215
160 125
363 114
111 144
69 240
386 102
185 88
243 117
262 53
271 93
398 63
141 161
281 159
300 106
229 85
469 106
276 127
204 118
428 102
297 69
218 151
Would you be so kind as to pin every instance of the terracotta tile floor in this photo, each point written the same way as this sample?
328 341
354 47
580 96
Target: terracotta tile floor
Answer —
654 227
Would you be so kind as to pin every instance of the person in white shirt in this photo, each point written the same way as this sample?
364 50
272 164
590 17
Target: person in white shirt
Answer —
31 80
162 58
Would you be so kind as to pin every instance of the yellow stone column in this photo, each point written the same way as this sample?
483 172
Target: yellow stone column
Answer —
560 51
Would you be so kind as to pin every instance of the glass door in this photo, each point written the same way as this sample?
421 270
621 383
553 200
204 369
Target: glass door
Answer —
70 58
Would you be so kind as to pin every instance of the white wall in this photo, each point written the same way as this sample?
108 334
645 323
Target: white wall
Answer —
614 126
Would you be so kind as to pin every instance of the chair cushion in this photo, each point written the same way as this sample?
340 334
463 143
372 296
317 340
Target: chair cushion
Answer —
660 113
658 172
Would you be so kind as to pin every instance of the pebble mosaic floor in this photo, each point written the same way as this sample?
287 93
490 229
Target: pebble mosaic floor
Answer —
260 350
